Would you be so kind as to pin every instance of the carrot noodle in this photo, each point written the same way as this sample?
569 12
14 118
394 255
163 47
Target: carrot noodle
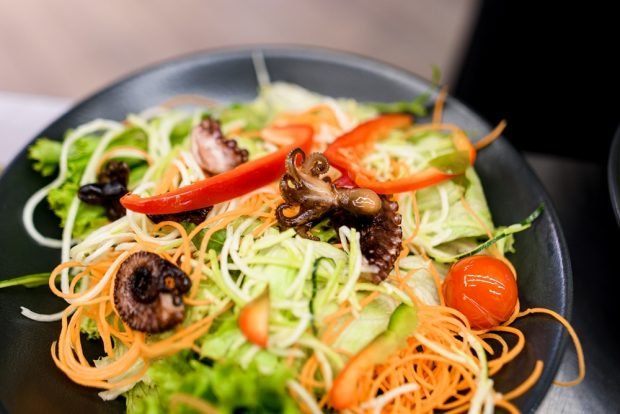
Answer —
124 151
507 354
507 406
439 104
493 250
527 384
316 117
491 136
574 337
185 247
476 217
197 302
167 182
436 278
416 217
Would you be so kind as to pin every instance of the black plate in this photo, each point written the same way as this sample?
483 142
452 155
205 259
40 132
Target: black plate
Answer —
29 381
613 175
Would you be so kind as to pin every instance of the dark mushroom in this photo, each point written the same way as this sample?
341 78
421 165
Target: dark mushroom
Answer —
307 188
214 153
111 185
148 293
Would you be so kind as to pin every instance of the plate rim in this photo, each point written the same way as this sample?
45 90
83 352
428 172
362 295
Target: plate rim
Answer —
613 175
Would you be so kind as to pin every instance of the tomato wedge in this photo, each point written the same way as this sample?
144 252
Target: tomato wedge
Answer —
228 185
346 152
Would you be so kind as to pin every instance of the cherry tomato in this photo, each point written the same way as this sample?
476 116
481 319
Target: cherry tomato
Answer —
482 288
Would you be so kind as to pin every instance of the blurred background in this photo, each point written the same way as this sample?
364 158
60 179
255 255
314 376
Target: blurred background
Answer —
541 67
70 48
53 53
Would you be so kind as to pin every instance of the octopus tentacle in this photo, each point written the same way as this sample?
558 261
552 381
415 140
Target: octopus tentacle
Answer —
214 153
380 237
301 218
290 164
316 164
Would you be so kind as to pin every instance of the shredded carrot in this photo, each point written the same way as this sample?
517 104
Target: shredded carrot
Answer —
507 406
439 104
185 250
476 217
507 355
123 151
316 117
527 384
166 182
436 278
197 302
580 357
416 217
492 249
491 136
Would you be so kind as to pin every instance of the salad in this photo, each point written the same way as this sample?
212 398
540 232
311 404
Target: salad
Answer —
295 253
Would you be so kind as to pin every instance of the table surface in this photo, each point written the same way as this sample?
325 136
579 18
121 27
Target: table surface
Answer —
579 192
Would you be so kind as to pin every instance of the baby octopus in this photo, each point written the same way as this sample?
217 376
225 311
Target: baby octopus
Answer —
317 196
307 188
215 154
148 293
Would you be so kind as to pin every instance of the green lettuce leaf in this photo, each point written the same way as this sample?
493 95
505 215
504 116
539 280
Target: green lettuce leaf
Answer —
88 218
416 106
225 386
372 321
46 154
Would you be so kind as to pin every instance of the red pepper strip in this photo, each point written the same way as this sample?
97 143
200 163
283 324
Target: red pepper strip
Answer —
361 139
228 185
359 142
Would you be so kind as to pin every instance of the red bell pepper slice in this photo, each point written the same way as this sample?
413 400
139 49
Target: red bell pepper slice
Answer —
228 185
347 150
